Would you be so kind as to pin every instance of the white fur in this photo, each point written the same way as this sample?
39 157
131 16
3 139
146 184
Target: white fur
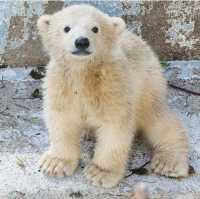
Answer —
115 90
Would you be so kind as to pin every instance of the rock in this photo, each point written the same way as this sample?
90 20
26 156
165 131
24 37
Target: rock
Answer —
185 75
38 72
23 137
37 93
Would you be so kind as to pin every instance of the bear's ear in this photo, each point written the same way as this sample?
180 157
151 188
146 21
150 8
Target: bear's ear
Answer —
119 24
43 23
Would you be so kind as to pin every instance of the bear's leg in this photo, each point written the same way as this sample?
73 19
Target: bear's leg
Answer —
170 145
63 155
110 157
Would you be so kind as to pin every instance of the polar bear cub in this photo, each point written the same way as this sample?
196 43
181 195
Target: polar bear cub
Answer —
102 76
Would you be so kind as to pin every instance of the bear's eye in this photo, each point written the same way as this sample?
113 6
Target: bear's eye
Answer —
95 29
67 29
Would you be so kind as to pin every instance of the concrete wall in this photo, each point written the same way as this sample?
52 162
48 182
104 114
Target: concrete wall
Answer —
171 27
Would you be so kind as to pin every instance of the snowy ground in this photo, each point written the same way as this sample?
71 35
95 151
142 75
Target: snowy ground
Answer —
23 137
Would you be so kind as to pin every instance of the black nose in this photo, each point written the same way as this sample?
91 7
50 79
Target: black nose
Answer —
82 43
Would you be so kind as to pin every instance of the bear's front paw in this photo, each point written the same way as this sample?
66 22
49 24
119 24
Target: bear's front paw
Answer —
170 165
101 177
52 165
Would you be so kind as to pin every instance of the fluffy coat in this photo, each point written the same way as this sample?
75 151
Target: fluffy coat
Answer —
116 90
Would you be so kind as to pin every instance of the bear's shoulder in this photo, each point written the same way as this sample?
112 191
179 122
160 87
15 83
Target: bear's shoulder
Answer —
135 48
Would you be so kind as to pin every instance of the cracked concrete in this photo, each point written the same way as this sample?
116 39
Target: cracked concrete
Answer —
23 137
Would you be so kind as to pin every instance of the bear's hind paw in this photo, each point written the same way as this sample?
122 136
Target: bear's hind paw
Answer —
169 166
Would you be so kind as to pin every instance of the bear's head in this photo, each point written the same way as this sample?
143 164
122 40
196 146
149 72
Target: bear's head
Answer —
79 33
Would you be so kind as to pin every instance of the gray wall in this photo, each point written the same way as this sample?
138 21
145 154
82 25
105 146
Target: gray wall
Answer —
171 27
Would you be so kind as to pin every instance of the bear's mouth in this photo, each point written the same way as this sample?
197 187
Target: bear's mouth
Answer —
81 52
